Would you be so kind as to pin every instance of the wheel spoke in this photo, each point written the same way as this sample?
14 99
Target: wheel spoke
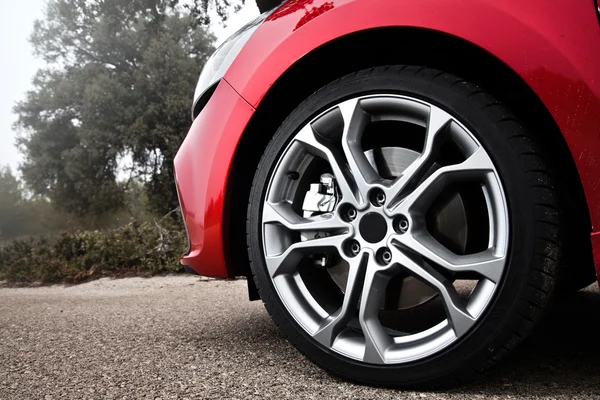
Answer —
476 165
376 339
355 122
485 263
282 213
344 179
412 184
458 316
437 122
332 326
289 259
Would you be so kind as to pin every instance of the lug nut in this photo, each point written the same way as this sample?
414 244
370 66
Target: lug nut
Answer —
384 256
352 248
351 213
377 198
401 224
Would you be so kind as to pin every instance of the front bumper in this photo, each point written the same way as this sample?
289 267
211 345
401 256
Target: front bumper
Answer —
202 167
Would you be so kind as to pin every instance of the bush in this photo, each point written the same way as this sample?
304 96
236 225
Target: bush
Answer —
144 249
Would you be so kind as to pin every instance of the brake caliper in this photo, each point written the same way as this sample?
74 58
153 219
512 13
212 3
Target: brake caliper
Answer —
320 199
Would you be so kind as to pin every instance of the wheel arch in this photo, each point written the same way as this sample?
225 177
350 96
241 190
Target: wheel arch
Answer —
419 46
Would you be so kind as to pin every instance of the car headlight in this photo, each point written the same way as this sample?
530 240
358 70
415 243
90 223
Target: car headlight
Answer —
220 61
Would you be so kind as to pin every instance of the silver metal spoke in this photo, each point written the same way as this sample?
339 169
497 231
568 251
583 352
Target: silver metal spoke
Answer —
486 263
331 327
282 213
376 339
476 165
344 179
288 260
458 316
307 217
438 119
355 122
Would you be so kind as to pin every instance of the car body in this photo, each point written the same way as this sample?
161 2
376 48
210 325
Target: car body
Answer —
541 57
558 65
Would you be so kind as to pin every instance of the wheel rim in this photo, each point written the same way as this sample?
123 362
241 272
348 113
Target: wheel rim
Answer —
389 230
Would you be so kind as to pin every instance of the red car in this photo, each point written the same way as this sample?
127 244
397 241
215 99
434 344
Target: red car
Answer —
406 184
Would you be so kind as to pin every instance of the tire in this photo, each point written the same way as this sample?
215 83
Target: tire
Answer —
530 267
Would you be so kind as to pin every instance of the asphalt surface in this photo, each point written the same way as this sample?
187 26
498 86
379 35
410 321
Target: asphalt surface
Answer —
182 337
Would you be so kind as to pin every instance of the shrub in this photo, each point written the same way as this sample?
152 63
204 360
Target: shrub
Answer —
145 249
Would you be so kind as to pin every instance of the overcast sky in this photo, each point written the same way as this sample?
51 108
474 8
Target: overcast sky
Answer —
18 65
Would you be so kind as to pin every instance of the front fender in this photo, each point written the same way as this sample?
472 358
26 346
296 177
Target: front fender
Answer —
552 46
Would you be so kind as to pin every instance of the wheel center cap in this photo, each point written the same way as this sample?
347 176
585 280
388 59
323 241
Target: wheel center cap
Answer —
373 227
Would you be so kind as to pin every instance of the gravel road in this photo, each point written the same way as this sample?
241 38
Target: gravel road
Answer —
184 337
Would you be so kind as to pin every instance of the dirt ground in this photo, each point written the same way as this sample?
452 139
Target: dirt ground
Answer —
184 337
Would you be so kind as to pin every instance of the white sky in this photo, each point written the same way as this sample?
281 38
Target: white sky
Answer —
18 65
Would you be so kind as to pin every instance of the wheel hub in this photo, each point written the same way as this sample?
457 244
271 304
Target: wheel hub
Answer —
373 227
449 222
450 219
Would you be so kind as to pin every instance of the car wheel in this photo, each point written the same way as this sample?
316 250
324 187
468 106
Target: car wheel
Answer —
402 228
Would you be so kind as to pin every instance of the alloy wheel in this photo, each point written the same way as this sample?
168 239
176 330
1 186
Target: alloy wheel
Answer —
379 226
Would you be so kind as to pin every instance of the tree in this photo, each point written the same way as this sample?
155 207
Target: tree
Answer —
21 215
223 7
11 211
118 86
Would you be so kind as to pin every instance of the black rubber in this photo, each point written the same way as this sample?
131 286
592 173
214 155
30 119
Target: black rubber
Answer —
535 240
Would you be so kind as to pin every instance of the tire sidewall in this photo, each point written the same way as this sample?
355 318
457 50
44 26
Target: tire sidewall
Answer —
484 338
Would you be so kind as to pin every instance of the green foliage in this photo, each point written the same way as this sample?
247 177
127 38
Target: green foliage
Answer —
20 216
120 85
199 8
117 87
11 207
135 249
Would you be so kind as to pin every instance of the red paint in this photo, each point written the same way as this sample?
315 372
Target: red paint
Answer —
552 45
202 166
